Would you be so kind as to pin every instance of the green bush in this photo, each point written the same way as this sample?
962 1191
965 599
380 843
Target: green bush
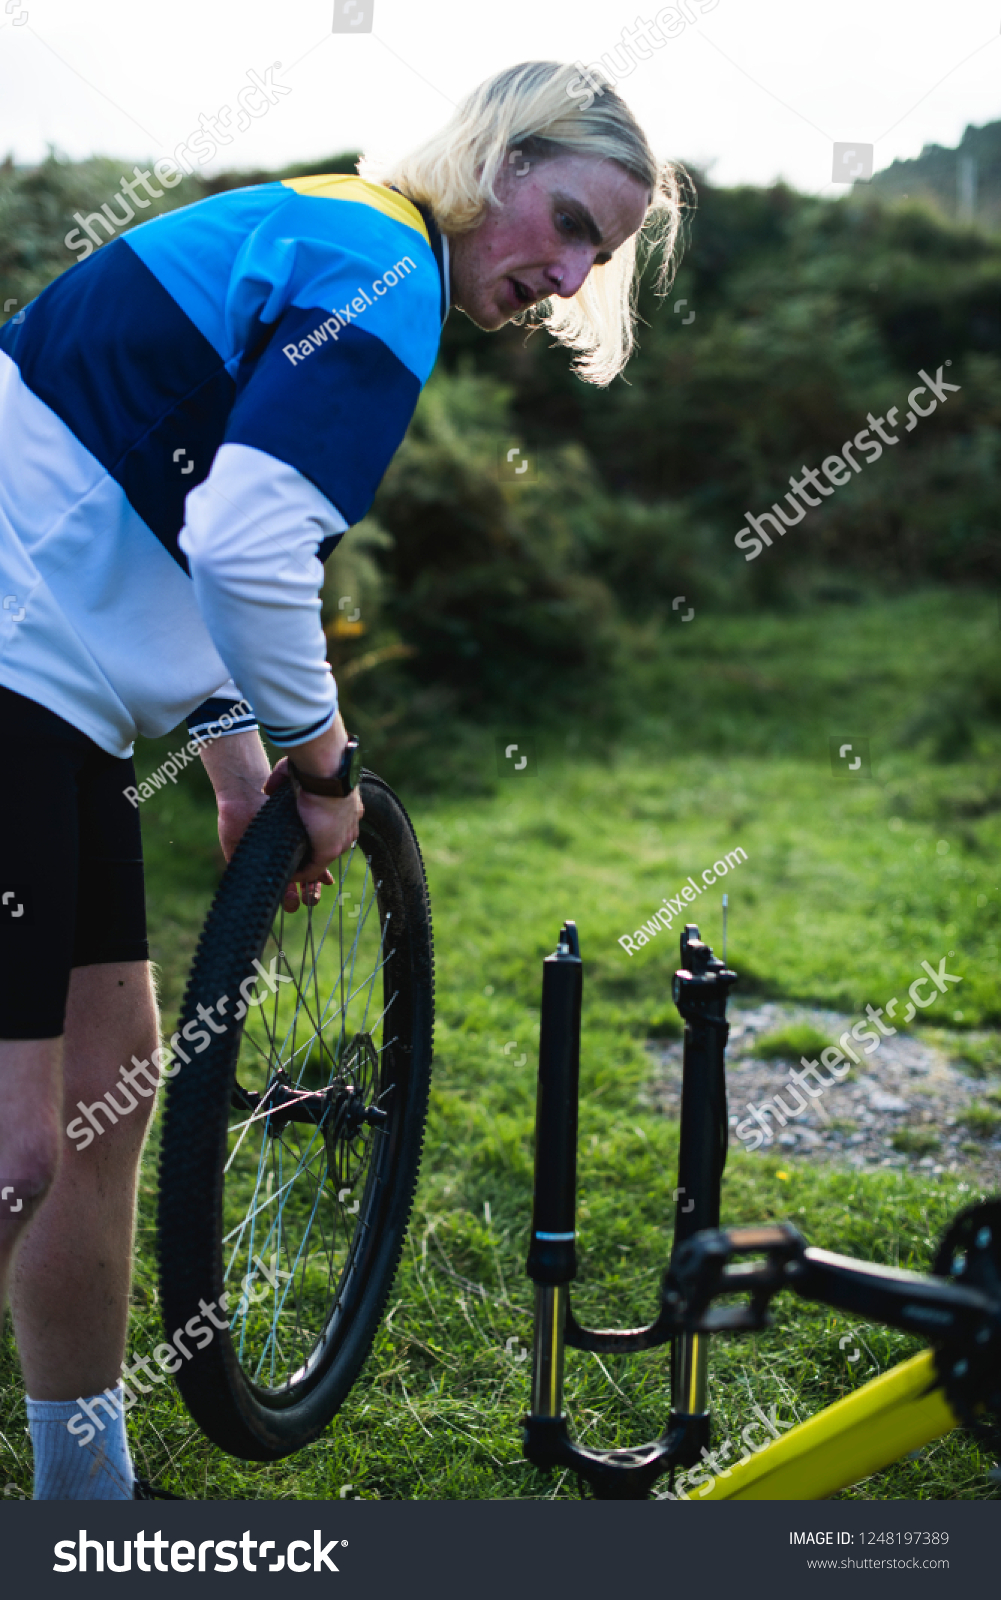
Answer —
666 1026
488 577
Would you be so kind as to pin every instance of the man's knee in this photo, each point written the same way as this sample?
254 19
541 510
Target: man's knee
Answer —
30 1140
23 1186
29 1162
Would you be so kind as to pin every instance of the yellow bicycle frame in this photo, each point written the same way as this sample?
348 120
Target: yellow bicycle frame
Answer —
898 1412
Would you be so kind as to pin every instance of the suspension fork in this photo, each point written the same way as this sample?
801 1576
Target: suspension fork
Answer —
700 990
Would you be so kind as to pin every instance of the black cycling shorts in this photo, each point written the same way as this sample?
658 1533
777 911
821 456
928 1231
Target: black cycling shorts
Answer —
71 870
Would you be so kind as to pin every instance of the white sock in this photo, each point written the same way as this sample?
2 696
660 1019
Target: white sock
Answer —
92 1462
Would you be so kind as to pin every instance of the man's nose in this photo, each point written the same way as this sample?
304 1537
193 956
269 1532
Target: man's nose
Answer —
566 276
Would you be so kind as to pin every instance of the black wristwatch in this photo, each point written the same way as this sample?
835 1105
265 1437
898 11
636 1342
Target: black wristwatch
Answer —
346 778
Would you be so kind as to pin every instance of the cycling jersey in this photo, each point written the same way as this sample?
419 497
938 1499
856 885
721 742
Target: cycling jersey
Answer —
191 417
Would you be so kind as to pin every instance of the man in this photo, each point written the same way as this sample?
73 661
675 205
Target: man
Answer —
192 417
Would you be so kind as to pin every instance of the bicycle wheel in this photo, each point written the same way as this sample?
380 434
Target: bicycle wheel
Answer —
292 1136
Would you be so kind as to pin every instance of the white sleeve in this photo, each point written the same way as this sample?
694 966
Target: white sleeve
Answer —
224 712
251 534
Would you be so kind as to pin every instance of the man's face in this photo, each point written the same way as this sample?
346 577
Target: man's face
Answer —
554 223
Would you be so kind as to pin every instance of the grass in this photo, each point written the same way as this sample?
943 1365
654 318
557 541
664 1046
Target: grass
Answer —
982 1121
789 1043
980 1057
916 1141
844 893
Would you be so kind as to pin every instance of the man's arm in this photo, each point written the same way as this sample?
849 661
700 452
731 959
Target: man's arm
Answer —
242 778
238 768
251 536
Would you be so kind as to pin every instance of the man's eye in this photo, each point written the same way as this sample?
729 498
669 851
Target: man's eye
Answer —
568 222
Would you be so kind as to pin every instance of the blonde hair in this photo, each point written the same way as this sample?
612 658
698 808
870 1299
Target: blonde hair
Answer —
539 110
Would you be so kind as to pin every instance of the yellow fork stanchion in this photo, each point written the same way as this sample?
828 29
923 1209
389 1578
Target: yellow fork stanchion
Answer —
882 1421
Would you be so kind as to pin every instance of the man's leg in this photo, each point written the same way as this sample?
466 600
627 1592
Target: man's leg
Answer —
75 1004
71 1278
30 1136
72 1264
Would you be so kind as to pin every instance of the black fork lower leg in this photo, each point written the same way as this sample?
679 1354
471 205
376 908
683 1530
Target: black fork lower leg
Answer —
701 988
552 1256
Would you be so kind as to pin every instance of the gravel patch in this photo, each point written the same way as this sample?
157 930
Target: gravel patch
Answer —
912 1090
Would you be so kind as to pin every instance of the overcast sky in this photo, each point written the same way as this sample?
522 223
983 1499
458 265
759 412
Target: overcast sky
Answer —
761 89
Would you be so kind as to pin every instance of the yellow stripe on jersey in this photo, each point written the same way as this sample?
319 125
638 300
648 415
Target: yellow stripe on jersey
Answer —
346 186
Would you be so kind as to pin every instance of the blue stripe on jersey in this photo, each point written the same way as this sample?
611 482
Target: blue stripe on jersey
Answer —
239 260
111 353
405 314
192 252
337 415
326 547
166 342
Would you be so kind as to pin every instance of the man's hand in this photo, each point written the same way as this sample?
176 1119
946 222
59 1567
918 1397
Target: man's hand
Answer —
240 773
332 826
238 768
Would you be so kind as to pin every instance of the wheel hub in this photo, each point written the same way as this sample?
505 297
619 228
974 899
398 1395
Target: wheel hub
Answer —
340 1109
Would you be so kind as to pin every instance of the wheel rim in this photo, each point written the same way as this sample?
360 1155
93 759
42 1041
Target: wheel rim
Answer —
310 1129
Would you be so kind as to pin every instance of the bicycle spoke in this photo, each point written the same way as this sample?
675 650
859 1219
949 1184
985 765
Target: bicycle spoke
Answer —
299 1193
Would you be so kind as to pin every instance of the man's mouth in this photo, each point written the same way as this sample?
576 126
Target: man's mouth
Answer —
521 292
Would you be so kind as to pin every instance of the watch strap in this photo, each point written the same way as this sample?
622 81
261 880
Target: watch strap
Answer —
336 787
